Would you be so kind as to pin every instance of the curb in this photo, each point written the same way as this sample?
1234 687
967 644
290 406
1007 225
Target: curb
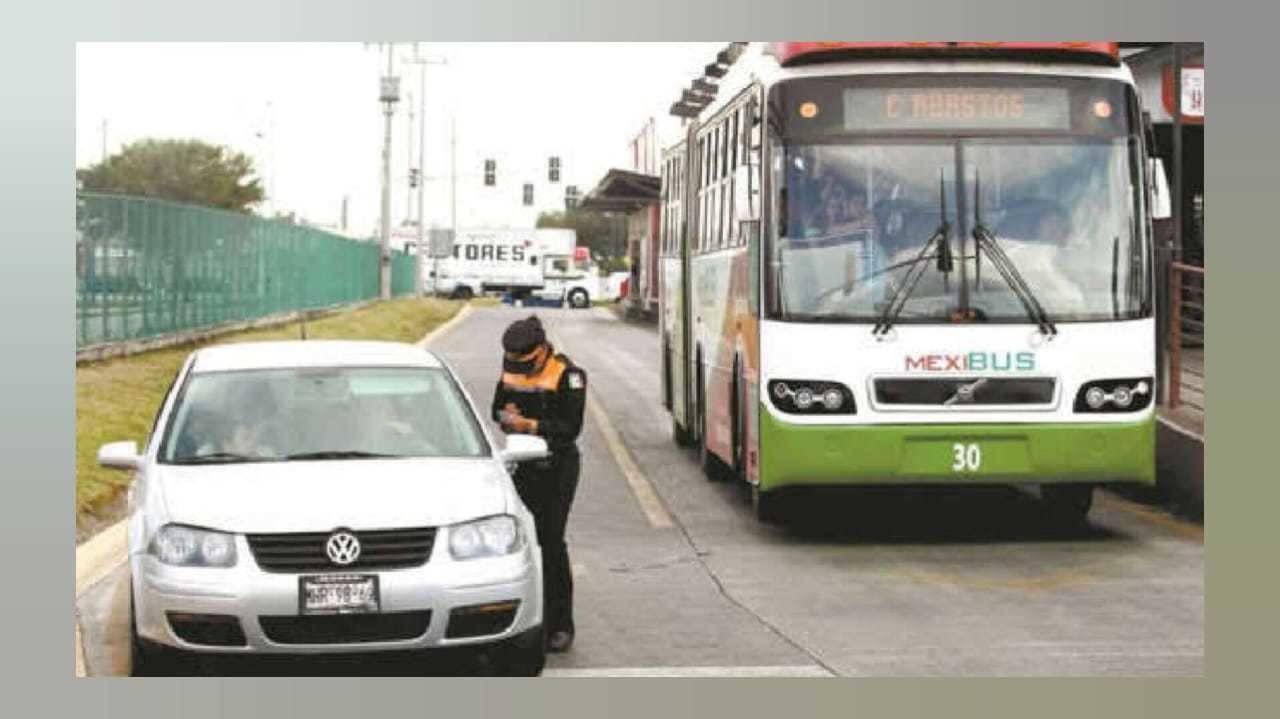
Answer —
447 326
105 551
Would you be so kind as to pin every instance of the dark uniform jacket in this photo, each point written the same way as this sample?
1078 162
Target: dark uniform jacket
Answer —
556 396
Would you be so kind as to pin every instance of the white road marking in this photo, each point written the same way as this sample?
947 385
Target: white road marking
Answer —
802 670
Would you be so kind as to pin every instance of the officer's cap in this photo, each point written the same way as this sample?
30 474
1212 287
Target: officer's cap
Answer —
523 336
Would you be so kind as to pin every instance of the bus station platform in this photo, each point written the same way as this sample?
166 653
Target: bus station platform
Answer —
1180 434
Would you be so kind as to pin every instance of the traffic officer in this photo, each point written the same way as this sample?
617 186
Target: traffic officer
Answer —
543 393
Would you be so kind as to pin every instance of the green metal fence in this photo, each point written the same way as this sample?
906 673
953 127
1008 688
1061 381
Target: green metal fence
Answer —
147 267
404 269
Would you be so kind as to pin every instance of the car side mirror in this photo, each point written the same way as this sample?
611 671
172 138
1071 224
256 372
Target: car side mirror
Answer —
120 455
524 448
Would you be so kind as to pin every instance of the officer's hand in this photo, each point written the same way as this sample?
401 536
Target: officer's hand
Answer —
523 425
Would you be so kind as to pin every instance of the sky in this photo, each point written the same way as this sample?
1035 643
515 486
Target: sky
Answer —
310 111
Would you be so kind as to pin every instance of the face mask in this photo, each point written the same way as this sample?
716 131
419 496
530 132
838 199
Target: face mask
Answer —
526 364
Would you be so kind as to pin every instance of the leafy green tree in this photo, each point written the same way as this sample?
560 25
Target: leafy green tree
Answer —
605 235
189 171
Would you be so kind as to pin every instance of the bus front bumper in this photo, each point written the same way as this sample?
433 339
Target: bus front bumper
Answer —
792 454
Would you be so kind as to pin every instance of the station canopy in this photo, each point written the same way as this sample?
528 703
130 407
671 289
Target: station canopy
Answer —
622 191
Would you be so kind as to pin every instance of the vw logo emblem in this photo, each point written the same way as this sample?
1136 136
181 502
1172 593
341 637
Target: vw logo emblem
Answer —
343 548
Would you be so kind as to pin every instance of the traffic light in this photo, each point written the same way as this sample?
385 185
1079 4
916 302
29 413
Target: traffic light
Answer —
490 172
553 169
528 194
415 176
570 197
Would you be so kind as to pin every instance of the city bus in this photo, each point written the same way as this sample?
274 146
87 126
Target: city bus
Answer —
912 264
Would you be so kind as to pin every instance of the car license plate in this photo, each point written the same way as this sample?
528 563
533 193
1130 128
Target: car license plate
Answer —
338 594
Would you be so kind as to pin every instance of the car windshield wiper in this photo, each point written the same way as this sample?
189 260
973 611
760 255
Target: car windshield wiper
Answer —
222 458
985 239
916 265
340 454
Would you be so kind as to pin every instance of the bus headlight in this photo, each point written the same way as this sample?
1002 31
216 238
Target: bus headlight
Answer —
811 397
1115 395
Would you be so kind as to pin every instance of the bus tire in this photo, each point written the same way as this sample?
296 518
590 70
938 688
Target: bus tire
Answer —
579 299
681 436
738 452
768 507
1068 504
462 293
712 467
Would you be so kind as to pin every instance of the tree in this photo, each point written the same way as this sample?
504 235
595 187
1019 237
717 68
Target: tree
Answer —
605 235
189 171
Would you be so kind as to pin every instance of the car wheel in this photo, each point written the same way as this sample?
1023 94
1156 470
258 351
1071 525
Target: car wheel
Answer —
578 299
1068 504
524 655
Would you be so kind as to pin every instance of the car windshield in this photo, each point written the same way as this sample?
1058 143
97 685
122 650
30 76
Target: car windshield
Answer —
320 413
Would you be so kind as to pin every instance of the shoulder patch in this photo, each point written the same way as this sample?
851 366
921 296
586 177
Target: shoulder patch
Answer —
576 379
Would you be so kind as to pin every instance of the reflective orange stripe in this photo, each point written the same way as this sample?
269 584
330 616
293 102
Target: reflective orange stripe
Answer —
547 380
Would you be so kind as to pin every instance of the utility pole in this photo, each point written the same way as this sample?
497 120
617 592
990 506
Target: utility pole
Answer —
422 63
389 95
408 200
453 175
271 143
104 140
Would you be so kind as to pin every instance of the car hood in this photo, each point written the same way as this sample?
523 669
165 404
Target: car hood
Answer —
318 496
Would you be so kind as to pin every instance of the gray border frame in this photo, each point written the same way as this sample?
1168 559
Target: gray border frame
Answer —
37 289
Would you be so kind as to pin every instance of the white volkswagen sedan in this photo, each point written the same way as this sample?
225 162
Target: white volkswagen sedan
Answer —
321 496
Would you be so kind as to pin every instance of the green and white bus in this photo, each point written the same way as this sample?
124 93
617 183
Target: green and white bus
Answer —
912 263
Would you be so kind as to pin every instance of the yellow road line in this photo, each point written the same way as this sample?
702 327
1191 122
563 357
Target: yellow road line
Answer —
1182 528
646 496
643 491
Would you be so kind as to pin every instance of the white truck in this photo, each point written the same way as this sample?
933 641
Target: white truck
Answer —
538 264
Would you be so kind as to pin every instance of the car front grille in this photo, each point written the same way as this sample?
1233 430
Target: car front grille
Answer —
961 392
345 628
305 551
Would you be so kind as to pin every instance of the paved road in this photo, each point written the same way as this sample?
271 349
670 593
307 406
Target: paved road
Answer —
675 577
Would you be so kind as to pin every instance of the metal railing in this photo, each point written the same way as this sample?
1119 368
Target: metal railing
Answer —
1186 336
147 267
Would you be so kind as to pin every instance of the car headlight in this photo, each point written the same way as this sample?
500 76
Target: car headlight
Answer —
811 397
488 537
183 546
1115 395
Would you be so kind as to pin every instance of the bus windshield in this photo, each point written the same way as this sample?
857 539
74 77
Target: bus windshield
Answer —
854 211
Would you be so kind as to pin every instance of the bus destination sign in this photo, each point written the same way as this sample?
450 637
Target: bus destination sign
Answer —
956 108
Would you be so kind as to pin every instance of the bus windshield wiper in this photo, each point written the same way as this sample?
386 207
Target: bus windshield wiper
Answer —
986 239
902 292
